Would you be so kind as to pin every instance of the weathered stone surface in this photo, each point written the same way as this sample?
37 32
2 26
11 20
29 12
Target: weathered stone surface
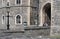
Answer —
23 9
56 23
26 8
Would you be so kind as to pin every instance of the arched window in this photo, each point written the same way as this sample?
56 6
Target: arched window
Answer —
18 19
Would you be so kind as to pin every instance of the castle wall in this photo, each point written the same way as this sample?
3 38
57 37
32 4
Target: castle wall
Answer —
15 9
55 28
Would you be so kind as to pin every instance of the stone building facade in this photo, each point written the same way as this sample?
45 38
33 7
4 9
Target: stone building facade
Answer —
18 14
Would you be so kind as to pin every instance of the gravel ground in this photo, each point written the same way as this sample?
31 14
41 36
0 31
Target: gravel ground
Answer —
21 36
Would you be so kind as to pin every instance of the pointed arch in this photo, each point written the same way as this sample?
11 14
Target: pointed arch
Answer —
18 19
47 14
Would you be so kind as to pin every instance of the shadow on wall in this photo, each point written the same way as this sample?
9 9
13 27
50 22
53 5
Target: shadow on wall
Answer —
47 14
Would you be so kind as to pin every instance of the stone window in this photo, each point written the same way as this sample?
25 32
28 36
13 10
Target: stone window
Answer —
18 19
7 3
18 1
2 19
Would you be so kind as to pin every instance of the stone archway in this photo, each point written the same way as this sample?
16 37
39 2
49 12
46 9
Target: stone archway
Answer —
47 14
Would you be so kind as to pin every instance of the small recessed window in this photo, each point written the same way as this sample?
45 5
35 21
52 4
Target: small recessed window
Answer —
2 19
7 3
18 19
18 1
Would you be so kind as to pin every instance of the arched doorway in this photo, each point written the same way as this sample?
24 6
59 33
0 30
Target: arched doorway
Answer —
47 14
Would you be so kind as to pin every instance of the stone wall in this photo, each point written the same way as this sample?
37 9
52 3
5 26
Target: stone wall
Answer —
34 12
15 9
55 28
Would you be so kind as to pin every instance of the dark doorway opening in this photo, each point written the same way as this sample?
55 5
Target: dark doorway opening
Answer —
47 14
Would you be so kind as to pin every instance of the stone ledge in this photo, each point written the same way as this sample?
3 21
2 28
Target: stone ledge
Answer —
10 31
36 28
22 31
